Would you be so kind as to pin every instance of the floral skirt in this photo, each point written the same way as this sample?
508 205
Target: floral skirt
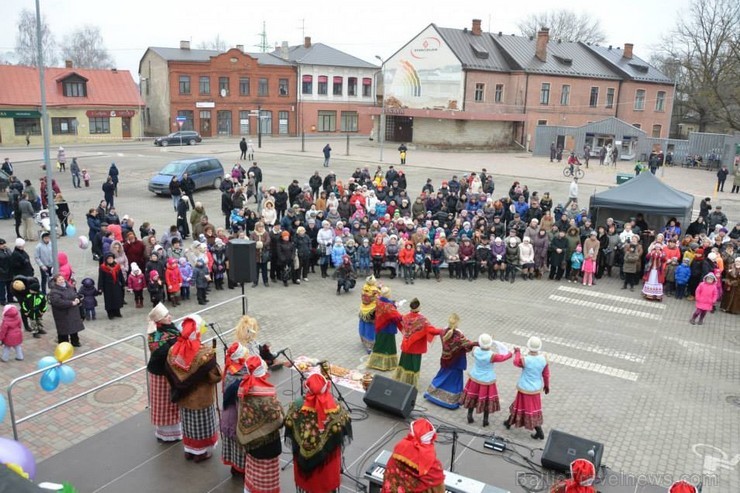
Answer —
367 335
652 288
446 388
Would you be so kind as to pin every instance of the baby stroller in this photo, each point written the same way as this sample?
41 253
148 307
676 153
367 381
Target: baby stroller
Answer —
43 221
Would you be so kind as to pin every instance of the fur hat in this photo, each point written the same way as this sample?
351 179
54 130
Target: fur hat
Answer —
534 344
157 314
485 341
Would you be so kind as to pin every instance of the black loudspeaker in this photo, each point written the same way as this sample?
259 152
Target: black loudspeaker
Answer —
242 255
561 449
391 396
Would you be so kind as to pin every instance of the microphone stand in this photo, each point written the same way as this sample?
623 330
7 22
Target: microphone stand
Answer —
454 431
213 326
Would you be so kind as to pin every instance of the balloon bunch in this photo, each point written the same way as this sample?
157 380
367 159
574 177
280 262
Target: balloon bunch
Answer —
71 229
52 377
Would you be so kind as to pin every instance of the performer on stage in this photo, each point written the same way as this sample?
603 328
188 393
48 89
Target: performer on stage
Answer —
193 374
526 410
246 332
682 487
446 388
481 392
414 467
317 428
582 476
164 414
417 334
367 313
232 452
258 429
654 276
387 319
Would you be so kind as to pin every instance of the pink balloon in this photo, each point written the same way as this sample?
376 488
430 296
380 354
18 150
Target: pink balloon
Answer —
12 452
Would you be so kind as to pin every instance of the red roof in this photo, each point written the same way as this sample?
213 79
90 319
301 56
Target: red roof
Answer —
20 87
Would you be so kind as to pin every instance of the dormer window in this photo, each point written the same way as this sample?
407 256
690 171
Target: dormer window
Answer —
73 85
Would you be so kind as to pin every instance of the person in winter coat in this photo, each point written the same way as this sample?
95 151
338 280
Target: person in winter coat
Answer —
20 262
64 268
137 283
452 257
173 279
683 274
285 252
201 278
65 309
88 292
467 258
526 258
576 263
630 267
220 263
11 333
558 248
186 273
706 296
303 248
337 252
377 254
111 285
345 275
182 209
156 288
406 261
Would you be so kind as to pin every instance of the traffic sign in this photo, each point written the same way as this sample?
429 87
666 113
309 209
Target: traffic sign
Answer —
180 123
181 119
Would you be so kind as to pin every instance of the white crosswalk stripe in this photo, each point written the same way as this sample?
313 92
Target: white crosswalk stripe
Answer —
606 308
611 297
591 348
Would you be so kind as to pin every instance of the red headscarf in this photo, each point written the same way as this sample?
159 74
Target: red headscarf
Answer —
318 398
417 448
682 487
187 345
255 382
234 360
582 476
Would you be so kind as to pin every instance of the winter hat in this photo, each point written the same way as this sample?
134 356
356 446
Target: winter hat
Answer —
534 344
365 241
20 242
153 275
512 241
218 242
183 261
285 235
712 256
526 239
710 277
135 267
687 261
157 314
485 341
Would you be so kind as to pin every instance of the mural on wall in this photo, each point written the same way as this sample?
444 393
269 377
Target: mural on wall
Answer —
425 74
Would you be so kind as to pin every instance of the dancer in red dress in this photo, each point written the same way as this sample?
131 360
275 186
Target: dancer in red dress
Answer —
414 467
526 410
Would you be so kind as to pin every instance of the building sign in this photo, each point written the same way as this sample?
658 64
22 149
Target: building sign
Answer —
20 114
425 47
110 113
205 104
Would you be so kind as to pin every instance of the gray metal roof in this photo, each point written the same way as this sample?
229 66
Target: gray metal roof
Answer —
474 52
563 58
180 55
634 68
321 54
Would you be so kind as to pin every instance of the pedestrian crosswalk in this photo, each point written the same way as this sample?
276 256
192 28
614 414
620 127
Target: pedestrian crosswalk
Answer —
609 303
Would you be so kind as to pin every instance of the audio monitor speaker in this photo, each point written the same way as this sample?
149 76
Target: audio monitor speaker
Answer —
242 255
391 396
561 449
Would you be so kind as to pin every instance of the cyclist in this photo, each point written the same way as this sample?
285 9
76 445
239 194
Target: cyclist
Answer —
573 161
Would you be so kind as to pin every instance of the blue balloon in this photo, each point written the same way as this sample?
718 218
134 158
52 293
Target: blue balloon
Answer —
3 408
50 380
71 230
66 374
46 362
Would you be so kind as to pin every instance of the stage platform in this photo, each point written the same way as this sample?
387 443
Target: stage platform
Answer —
127 458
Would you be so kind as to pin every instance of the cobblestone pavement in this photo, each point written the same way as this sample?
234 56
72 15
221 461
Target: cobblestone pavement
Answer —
660 394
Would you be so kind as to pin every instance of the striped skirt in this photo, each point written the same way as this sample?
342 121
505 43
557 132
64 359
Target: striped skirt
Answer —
164 415
481 397
200 433
232 452
526 411
262 475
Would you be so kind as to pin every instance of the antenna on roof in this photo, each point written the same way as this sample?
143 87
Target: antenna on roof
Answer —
262 45
303 28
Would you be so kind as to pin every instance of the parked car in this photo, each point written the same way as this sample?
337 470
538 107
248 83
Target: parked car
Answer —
205 172
183 137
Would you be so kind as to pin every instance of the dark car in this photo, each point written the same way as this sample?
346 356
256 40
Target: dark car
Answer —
183 137
205 172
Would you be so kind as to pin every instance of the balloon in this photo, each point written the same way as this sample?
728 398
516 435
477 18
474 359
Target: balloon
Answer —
71 230
12 452
3 408
83 243
66 374
50 380
46 362
63 351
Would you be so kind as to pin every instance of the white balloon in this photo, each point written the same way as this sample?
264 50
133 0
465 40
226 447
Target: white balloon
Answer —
84 243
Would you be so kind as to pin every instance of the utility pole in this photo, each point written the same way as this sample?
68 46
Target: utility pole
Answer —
262 45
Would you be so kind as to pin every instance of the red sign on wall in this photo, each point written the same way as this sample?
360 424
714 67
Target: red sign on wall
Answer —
110 113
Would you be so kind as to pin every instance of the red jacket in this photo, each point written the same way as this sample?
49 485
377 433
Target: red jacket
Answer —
173 277
377 250
417 333
136 283
11 331
406 256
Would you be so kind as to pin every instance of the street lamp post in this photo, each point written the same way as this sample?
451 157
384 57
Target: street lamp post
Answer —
381 136
259 127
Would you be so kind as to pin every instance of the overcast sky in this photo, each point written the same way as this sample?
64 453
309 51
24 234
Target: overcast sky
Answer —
363 29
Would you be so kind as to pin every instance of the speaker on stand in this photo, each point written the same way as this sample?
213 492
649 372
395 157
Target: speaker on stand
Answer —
562 448
391 396
242 255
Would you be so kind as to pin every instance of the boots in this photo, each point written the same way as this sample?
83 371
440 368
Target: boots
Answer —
507 425
324 269
524 276
501 275
513 277
538 433
485 418
436 276
470 415
531 276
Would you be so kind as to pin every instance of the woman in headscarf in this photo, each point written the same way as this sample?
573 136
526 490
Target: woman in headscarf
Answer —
731 283
384 356
582 477
111 284
233 453
368 300
258 428
447 386
481 392
526 410
317 428
654 273
193 373
682 487
163 413
413 466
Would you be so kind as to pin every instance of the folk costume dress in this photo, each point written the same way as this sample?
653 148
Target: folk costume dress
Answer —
233 454
413 466
481 392
526 410
417 334
654 276
317 428
258 429
447 386
582 477
193 374
387 319
163 413
368 301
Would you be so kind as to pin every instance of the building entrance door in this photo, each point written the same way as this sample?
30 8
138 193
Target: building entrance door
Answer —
126 127
400 129
205 123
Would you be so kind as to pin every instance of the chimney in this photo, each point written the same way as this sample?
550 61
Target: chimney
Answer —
284 51
628 50
184 45
476 27
543 36
307 42
68 64
240 48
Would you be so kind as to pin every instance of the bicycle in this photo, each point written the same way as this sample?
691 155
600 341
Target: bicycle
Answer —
577 171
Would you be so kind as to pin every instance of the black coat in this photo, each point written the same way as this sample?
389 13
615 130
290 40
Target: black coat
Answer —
66 315
20 263
303 246
187 186
285 252
5 269
112 289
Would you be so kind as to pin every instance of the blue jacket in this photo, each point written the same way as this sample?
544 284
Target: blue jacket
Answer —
531 381
683 273
576 260
337 252
521 208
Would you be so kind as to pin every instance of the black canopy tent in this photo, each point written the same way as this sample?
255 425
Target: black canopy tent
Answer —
644 193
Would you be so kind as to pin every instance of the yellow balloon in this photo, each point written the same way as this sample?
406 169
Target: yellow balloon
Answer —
63 351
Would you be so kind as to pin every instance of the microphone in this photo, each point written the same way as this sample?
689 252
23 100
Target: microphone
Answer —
592 452
213 325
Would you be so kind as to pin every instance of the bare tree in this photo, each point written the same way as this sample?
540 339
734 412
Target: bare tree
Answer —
85 48
217 43
26 49
564 24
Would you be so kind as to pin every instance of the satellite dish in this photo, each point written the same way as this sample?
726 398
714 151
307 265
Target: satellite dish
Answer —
223 93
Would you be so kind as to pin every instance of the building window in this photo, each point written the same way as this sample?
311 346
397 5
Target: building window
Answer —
188 124
223 86
352 86
263 87
337 86
593 101
63 126
244 122
565 95
640 100
100 125
283 87
498 96
545 93
660 101
637 125
184 84
610 97
349 121
323 85
204 85
223 122
283 121
656 131
541 122
479 92
307 84
74 89
266 122
367 87
243 86
327 121
27 126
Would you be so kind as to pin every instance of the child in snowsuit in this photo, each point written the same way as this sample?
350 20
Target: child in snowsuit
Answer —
706 295
186 272
88 291
137 283
11 333
33 307
155 288
174 281
589 268
363 257
683 274
576 261
201 278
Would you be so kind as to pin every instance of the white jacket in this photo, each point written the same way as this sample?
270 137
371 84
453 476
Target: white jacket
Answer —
526 253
